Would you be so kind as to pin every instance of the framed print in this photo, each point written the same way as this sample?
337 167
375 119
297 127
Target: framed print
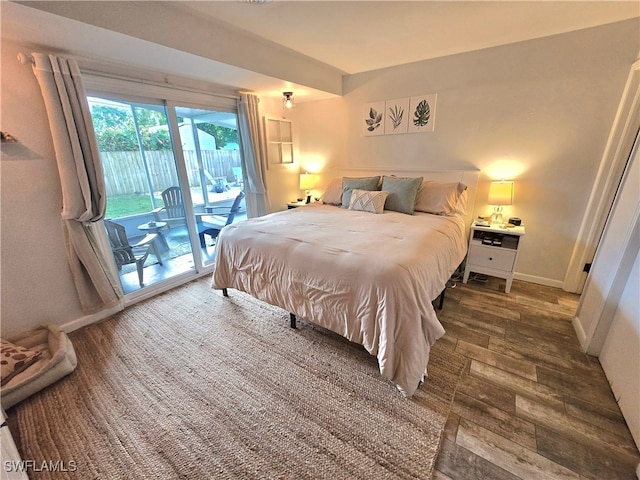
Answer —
373 118
422 113
397 114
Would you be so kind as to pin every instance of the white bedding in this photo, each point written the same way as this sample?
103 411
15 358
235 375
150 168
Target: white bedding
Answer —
368 277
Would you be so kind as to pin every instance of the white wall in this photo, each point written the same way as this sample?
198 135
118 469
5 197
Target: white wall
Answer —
538 112
36 282
283 179
317 149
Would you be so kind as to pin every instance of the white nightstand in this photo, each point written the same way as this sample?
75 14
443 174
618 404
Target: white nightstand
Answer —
493 251
299 204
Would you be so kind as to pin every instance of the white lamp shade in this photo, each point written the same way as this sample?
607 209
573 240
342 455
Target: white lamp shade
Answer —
501 193
306 181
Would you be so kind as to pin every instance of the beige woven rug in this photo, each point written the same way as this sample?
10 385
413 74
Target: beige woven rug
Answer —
193 385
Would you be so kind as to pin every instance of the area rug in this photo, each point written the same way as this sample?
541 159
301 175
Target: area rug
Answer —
193 385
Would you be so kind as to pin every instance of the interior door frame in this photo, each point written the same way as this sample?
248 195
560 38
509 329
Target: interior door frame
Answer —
614 159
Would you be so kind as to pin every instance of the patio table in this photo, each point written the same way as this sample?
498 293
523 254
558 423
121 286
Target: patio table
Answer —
156 227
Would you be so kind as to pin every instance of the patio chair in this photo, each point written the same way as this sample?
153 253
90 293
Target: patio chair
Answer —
211 223
125 254
173 211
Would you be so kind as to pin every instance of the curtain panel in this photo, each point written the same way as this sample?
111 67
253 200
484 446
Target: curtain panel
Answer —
253 150
81 178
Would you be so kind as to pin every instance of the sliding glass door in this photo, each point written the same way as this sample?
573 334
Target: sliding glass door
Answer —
210 150
171 175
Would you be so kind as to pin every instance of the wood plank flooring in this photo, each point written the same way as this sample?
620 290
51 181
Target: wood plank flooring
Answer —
530 404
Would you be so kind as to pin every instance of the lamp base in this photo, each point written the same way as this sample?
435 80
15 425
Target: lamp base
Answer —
496 216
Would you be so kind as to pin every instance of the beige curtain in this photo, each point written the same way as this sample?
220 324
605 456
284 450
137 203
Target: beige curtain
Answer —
83 190
253 151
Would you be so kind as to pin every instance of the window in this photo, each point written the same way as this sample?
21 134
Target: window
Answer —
172 172
279 134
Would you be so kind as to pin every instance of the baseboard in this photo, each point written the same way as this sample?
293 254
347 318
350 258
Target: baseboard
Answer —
131 299
538 280
580 333
93 318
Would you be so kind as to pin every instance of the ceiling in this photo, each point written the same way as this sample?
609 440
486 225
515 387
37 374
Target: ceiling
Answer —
337 37
358 36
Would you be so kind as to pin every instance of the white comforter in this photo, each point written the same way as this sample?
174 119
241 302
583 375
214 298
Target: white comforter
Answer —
368 277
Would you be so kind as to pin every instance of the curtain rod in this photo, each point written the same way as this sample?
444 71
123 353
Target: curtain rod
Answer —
154 83
27 59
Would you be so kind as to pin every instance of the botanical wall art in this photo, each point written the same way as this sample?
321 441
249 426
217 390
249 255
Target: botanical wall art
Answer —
402 115
374 118
397 115
423 113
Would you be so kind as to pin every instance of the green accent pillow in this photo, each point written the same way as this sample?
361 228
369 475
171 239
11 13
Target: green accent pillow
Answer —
402 193
361 183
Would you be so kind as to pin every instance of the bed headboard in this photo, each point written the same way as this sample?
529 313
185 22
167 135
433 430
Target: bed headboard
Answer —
468 177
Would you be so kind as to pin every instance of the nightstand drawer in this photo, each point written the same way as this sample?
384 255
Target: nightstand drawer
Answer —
492 257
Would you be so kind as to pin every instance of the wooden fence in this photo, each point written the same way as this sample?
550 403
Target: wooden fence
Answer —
125 174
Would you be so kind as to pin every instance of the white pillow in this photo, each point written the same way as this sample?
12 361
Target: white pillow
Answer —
333 193
441 198
368 201
461 207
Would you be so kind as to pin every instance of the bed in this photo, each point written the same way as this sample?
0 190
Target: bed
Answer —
368 277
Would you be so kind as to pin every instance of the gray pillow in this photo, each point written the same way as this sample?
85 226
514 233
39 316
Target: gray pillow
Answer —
402 193
361 183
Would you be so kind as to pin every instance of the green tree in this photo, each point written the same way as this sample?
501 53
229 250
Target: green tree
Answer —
223 135
115 128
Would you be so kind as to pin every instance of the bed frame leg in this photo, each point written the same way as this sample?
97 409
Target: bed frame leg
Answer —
449 284
441 303
225 293
292 317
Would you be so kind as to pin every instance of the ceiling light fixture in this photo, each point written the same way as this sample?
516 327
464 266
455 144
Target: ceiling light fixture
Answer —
287 99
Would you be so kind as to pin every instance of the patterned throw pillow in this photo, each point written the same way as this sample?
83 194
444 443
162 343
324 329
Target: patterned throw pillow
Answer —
368 201
15 359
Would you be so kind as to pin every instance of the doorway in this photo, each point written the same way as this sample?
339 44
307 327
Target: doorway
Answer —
171 174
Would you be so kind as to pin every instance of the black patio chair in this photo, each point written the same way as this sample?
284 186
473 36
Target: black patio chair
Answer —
211 223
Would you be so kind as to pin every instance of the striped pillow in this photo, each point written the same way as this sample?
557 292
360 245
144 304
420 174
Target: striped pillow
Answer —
368 201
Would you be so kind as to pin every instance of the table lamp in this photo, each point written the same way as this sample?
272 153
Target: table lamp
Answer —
307 182
500 194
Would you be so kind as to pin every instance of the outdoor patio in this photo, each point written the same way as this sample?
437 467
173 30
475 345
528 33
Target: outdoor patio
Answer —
173 240
176 259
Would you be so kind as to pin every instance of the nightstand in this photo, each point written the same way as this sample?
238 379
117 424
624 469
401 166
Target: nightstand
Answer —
295 204
493 251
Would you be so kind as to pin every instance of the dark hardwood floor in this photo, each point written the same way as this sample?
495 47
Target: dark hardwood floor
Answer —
530 404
